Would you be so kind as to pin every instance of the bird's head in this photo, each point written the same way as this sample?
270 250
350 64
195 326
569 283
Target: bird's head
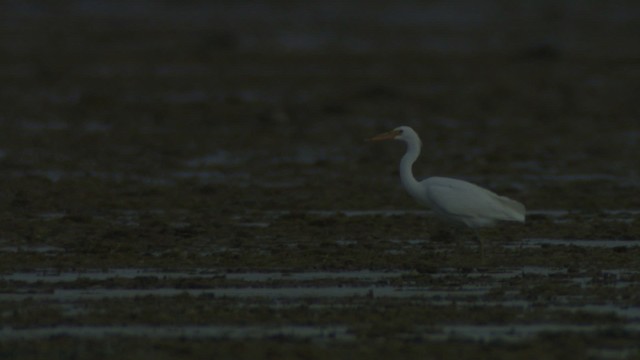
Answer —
404 133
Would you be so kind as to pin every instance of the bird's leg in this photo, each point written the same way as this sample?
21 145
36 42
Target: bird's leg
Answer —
452 234
480 244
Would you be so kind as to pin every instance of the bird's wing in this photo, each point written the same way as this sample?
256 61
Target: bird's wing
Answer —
466 200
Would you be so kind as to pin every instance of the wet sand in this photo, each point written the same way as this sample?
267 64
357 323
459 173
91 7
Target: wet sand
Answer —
192 182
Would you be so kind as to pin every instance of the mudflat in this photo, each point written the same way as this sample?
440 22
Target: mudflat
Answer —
191 180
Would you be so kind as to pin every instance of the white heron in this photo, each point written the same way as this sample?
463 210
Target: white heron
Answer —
452 199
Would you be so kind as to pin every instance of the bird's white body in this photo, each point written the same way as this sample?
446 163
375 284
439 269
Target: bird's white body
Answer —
452 199
467 203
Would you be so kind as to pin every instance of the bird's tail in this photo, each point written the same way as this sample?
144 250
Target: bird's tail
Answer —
517 210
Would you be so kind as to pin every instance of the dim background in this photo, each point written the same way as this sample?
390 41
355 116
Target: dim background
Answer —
228 137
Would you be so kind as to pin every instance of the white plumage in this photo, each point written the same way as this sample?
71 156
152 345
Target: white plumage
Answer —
453 199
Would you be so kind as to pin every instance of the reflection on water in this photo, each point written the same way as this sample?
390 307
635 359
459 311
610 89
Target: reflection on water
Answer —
602 243
518 332
296 292
192 332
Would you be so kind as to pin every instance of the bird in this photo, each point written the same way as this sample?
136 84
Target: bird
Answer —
452 199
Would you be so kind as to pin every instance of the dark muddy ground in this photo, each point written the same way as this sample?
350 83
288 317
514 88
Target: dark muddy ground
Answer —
191 181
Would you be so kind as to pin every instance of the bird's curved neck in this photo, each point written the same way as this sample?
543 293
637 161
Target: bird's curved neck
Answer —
406 172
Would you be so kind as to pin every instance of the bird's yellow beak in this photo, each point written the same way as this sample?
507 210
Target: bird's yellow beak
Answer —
385 136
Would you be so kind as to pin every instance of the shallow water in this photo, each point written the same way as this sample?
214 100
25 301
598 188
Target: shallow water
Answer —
250 292
601 243
515 333
450 287
211 332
